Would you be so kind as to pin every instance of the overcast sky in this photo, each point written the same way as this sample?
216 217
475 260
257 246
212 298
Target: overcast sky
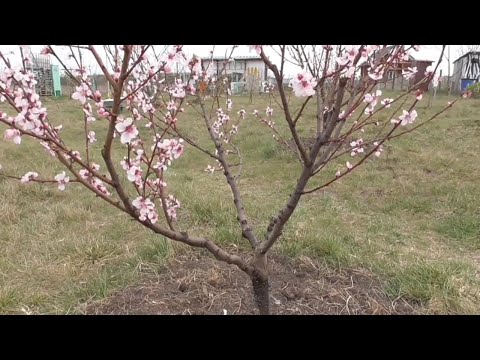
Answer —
427 52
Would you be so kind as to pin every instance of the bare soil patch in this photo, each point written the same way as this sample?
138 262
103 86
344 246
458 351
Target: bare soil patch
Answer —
198 286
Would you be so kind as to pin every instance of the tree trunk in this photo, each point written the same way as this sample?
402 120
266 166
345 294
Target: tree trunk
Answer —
261 291
261 295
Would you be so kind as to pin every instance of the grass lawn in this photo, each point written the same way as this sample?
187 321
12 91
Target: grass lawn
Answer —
412 216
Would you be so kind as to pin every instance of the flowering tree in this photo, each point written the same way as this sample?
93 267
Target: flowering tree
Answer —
338 82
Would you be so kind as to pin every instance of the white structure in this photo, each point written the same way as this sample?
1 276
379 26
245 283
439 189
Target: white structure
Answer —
466 70
235 68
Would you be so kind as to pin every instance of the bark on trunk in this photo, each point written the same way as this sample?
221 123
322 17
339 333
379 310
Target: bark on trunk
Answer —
261 290
261 295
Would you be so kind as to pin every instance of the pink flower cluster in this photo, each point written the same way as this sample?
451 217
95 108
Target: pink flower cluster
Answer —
372 100
218 127
31 115
146 208
304 84
93 180
127 129
406 118
167 150
172 205
357 147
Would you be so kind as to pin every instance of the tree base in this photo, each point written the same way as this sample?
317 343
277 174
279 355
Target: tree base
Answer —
261 295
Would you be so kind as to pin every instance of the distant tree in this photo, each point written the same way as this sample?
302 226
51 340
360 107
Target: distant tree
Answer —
253 81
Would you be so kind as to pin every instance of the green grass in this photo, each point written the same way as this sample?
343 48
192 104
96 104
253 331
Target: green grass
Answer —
437 284
412 216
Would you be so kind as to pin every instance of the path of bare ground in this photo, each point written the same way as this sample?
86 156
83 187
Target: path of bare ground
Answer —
197 285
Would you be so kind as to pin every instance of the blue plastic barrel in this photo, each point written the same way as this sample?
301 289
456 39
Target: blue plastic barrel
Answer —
465 83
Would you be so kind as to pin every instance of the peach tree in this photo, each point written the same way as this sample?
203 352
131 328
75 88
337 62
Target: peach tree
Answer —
342 84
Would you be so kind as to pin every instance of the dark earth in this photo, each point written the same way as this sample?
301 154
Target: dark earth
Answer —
198 285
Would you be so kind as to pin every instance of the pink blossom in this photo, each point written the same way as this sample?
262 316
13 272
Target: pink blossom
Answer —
349 166
173 147
97 96
190 89
419 94
368 98
102 112
269 111
91 136
127 129
172 205
87 108
406 118
372 100
81 93
175 55
379 150
18 75
49 149
303 84
387 102
171 106
242 113
376 75
76 155
229 104
146 208
136 114
29 176
83 72
257 48
429 70
14 135
195 65
46 51
99 185
178 91
134 173
348 58
338 173
210 169
352 53
409 72
62 180
349 72
357 147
